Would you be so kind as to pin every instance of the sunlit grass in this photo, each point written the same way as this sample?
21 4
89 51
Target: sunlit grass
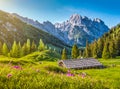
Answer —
48 75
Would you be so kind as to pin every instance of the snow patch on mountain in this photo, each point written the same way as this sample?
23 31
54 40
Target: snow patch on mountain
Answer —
77 29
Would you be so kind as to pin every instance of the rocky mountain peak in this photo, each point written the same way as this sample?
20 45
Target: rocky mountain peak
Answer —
98 20
47 23
75 19
77 29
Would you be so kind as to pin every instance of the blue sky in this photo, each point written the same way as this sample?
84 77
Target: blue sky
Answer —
61 10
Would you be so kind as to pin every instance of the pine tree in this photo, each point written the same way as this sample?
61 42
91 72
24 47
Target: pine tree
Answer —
75 51
100 47
5 49
87 52
64 54
24 49
95 50
33 47
106 53
41 46
28 46
112 49
19 54
14 50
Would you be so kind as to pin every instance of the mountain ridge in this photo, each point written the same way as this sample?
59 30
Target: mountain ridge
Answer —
77 29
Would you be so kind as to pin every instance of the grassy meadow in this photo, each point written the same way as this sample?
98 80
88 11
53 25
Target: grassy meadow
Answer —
38 71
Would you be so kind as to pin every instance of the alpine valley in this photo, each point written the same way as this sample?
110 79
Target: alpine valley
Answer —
79 53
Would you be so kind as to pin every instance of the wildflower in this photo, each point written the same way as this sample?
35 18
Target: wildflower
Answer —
83 75
69 73
17 67
9 75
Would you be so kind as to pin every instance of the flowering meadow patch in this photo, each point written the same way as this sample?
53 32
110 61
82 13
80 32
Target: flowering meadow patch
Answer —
17 67
82 75
50 76
9 75
69 73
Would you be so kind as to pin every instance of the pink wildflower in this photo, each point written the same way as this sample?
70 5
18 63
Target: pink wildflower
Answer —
9 75
69 73
17 67
83 75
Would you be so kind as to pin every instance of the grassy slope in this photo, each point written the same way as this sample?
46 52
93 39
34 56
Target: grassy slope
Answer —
23 32
47 74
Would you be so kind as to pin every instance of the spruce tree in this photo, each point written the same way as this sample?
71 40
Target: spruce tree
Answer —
106 52
14 50
64 54
19 54
87 52
41 46
28 46
33 47
75 51
5 49
100 47
24 49
95 50
112 49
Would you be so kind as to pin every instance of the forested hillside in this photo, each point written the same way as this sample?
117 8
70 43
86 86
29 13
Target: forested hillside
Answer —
13 29
108 46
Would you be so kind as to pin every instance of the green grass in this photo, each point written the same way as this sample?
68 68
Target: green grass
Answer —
48 75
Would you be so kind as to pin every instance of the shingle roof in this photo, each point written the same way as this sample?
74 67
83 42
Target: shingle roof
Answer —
81 63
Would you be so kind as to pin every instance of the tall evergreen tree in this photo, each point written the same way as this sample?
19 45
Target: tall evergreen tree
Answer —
87 52
14 50
41 46
5 49
112 49
64 54
100 47
24 49
106 53
19 54
28 46
75 51
33 47
95 50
